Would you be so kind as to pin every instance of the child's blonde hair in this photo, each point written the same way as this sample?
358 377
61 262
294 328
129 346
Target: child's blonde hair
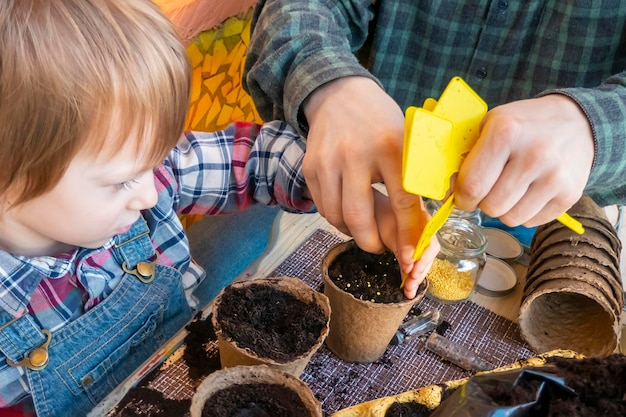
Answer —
70 70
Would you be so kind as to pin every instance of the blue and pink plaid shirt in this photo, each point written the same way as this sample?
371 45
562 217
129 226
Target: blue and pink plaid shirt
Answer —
207 173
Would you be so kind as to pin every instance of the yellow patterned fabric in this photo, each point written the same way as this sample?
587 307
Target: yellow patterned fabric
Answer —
217 97
217 57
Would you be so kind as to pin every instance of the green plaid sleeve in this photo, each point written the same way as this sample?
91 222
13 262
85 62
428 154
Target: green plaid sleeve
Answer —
605 107
298 45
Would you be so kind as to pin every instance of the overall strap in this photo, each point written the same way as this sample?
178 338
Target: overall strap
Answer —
24 342
134 251
21 336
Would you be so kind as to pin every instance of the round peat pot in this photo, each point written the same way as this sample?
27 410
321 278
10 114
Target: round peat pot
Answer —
254 391
360 330
279 322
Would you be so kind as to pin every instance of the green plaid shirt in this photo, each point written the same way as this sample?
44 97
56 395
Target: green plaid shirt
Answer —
505 50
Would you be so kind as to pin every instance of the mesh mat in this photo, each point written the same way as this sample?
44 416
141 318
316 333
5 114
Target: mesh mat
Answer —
337 384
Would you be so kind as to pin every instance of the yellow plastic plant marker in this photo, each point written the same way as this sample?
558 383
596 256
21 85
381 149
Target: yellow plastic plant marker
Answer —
433 226
437 138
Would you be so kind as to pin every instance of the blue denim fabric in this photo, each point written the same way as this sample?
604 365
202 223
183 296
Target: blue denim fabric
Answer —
96 352
523 234
225 245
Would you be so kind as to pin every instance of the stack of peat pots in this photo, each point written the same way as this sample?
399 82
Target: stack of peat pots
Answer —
573 295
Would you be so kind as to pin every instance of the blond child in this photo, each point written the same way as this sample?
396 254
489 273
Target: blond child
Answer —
95 267
95 270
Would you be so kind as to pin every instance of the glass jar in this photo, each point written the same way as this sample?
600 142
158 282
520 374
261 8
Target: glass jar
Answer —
460 261
474 216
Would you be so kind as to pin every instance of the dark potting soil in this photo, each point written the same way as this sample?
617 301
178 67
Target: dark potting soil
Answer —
146 402
408 409
367 276
255 400
599 384
413 408
141 401
270 322
200 359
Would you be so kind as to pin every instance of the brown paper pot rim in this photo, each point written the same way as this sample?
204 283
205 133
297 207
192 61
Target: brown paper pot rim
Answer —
604 228
590 257
577 269
605 256
231 354
260 374
360 330
591 237
571 315
586 207
563 278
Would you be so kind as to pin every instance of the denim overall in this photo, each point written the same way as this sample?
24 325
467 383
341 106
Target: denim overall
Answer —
92 355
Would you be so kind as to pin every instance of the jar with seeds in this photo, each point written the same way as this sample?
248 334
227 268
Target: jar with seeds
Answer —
460 261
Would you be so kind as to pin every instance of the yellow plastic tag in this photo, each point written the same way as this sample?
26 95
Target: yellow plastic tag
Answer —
437 138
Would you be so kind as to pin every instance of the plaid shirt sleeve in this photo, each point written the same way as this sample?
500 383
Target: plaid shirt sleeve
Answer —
226 171
605 107
300 45
506 51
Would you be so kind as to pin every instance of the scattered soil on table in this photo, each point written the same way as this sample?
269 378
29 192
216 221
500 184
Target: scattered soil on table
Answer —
255 400
368 276
201 359
201 354
271 323
144 402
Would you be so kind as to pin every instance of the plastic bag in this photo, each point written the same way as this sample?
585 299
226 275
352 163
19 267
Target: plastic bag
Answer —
523 392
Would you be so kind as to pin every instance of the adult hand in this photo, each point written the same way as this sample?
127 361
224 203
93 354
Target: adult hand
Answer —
355 139
530 163
386 220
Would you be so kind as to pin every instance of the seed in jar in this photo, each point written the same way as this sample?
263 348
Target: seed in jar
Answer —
448 283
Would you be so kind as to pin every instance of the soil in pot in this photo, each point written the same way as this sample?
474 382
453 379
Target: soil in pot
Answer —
367 276
271 323
408 409
254 391
255 400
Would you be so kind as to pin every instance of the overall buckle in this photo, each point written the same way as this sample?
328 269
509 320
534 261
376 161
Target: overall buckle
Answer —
144 270
38 358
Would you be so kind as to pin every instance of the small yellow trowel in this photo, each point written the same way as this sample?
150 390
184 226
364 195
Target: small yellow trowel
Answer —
437 138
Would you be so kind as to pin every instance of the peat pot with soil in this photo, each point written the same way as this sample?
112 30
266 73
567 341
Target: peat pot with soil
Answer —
254 391
366 300
279 322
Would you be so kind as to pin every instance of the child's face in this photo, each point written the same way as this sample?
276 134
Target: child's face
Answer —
97 198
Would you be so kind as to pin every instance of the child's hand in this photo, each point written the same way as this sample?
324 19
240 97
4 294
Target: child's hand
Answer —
386 221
